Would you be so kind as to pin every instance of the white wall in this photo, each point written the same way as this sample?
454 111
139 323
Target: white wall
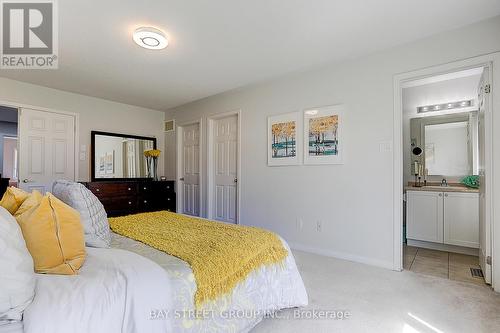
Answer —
355 200
6 129
9 160
95 114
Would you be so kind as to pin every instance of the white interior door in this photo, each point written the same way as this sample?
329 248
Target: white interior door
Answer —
484 192
190 179
46 149
225 166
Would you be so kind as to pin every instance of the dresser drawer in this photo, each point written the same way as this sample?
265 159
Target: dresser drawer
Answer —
165 202
146 188
119 205
145 204
113 189
165 187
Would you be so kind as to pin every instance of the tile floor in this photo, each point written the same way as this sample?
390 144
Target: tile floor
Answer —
446 265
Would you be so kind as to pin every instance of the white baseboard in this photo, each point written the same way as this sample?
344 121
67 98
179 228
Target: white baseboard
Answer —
444 247
342 255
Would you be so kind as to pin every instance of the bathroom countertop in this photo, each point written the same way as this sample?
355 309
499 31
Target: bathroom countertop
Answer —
437 188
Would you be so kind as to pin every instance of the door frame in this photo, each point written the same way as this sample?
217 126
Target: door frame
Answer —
179 129
76 116
210 162
486 61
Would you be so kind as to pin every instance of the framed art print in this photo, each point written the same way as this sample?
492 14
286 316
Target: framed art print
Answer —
284 142
323 135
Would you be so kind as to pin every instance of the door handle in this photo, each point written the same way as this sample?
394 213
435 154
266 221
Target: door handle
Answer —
181 179
235 180
27 181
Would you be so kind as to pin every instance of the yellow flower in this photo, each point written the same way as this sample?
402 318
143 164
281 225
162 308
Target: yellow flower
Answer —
152 153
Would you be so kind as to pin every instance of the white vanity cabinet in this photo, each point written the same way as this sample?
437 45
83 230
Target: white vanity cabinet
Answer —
424 219
443 217
461 219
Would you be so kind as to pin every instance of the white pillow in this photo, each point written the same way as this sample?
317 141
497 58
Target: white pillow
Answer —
17 275
92 213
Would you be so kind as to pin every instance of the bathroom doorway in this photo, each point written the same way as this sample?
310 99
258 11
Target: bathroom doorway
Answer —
443 163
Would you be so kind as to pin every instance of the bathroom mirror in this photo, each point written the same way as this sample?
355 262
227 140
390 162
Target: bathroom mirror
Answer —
450 144
119 156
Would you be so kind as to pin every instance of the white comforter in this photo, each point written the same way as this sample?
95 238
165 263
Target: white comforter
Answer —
121 291
114 292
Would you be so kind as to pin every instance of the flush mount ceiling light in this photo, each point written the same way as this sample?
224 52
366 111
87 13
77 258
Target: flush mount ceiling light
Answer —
445 106
150 38
311 112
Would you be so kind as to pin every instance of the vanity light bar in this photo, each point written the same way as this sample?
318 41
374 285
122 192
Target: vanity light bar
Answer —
445 106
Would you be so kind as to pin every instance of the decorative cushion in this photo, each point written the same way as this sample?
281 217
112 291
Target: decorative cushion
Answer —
32 201
17 278
13 198
54 236
92 213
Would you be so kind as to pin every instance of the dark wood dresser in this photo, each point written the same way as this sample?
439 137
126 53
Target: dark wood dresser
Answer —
128 197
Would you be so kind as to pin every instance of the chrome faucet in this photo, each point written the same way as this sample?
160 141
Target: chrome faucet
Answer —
444 182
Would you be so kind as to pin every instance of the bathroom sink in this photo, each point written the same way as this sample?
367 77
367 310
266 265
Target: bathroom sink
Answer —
438 188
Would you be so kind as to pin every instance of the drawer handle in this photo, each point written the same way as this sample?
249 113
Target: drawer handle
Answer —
168 199
129 189
168 187
97 190
145 188
145 201
130 202
440 194
446 194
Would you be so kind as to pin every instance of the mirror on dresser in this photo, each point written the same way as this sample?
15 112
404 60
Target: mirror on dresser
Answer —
119 156
449 145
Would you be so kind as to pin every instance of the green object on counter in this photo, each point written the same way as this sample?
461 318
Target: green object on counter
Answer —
471 181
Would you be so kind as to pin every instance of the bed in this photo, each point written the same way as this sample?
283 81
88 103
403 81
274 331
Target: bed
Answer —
132 287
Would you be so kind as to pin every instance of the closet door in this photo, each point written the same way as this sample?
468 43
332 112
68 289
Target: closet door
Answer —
225 169
46 149
425 216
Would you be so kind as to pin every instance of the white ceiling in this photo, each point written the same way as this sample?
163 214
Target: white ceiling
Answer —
220 45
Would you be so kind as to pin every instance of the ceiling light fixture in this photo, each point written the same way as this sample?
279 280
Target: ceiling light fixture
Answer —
150 38
447 106
311 112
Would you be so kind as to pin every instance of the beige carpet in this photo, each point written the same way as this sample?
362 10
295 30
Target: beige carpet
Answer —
380 300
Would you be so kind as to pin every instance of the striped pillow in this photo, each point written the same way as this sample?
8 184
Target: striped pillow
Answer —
92 213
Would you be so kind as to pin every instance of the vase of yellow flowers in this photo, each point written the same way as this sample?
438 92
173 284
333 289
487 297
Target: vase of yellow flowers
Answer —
152 162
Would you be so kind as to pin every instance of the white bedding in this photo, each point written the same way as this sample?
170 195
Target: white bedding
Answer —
114 292
120 291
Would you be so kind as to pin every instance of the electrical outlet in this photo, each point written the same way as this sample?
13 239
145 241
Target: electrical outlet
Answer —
319 226
300 223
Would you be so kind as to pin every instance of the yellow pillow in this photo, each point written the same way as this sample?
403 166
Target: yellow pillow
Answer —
54 236
32 201
13 198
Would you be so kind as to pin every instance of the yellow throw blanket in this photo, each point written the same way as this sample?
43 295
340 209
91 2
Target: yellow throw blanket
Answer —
221 255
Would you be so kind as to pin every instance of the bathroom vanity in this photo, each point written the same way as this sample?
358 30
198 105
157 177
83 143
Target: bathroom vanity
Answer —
443 218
